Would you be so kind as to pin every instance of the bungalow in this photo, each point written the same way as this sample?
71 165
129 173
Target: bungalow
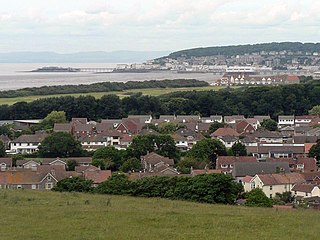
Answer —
228 141
220 132
185 139
97 176
305 190
142 118
243 127
303 120
298 164
152 162
27 164
276 183
54 162
5 163
233 118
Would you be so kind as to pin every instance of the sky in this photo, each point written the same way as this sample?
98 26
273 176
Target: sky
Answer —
153 25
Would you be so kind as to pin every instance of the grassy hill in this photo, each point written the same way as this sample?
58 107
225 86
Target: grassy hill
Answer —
249 48
121 94
49 215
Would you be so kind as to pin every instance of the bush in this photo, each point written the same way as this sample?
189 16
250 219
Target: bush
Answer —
257 198
74 184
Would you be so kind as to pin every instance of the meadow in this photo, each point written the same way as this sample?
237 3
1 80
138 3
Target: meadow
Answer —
121 94
52 215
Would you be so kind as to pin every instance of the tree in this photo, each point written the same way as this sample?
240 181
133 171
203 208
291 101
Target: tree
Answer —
207 150
103 163
52 118
132 164
74 184
238 149
315 151
257 198
109 157
269 124
216 125
71 164
2 149
60 144
315 111
159 143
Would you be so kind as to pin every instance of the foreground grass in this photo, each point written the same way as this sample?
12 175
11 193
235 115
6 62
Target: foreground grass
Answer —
49 215
121 94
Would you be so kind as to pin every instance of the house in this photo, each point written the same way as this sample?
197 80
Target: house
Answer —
312 177
276 183
81 161
225 163
81 129
113 122
103 127
212 119
303 120
27 144
41 179
243 127
185 139
221 132
187 118
131 126
153 162
92 143
242 169
125 141
274 150
83 168
266 136
298 164
27 164
54 162
24 124
5 163
228 141
142 118
233 118
63 127
97 176
285 120
113 137
305 190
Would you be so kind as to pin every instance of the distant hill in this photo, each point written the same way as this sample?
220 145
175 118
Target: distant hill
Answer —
80 57
249 48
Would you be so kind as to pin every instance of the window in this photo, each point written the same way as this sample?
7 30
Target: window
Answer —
19 186
49 177
224 165
49 186
34 186
295 192
270 195
306 194
270 187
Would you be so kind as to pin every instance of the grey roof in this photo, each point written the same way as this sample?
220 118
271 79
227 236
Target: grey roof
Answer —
286 117
262 133
148 131
229 138
305 139
314 132
241 169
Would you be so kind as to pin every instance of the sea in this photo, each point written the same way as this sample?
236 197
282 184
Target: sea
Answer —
17 75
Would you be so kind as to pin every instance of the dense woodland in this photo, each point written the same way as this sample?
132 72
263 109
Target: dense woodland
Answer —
242 49
293 99
102 87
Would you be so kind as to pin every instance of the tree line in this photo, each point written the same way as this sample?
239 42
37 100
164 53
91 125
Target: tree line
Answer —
249 48
102 87
273 101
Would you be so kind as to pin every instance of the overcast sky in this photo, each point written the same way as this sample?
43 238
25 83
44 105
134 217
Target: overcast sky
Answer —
108 25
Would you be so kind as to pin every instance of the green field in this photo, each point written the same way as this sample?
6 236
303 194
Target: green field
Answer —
121 94
49 215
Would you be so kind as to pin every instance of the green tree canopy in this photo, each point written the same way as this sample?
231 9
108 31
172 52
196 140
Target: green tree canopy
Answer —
238 149
257 198
109 157
131 164
74 184
71 164
159 143
315 151
2 149
60 144
103 163
269 124
207 150
52 118
315 111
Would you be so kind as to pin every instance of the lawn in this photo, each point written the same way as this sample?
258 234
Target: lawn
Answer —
121 94
49 215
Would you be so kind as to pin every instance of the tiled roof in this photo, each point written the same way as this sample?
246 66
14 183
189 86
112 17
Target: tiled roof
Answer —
307 188
232 159
225 132
81 169
241 169
62 127
97 176
279 179
154 158
7 161
35 138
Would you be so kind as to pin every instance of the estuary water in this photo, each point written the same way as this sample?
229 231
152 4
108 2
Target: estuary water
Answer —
15 75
